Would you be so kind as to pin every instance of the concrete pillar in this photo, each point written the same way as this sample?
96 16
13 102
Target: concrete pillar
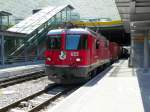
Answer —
132 10
146 53
132 52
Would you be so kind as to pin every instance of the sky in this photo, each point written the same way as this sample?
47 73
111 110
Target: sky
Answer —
86 8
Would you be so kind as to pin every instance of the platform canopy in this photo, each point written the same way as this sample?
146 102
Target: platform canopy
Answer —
30 24
4 13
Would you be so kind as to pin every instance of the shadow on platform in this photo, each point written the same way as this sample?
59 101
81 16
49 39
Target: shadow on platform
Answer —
99 77
144 85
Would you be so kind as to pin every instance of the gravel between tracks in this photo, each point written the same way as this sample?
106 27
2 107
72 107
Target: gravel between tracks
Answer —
13 93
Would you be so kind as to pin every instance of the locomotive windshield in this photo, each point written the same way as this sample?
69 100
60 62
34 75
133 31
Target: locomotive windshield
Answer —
76 42
54 42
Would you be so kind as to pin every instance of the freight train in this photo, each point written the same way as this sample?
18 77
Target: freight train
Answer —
74 55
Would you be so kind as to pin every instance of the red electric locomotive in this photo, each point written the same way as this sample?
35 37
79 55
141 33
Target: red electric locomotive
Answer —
73 55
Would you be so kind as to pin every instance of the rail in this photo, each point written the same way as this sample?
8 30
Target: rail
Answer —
18 79
56 91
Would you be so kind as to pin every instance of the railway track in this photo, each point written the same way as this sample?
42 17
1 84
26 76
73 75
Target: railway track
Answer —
39 100
19 79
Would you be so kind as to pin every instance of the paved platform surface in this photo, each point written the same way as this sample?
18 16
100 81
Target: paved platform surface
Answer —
117 89
20 70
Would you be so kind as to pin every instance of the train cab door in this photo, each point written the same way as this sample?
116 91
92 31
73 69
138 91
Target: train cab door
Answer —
96 50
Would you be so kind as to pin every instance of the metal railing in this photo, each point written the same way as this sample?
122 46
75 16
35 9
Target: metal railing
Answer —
13 60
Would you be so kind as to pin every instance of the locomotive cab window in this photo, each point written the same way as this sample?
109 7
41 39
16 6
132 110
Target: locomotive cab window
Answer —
54 42
76 42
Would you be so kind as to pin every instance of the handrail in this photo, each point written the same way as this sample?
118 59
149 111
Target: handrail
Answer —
34 38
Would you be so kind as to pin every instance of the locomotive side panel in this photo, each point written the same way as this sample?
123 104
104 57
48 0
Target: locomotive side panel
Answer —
115 51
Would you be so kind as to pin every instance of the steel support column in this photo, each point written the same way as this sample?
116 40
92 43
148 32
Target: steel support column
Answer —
8 21
1 22
2 50
25 51
61 18
69 15
66 14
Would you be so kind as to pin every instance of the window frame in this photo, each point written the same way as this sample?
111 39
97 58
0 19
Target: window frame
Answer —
49 37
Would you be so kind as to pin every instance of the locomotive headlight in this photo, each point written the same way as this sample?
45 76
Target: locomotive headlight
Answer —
48 59
78 59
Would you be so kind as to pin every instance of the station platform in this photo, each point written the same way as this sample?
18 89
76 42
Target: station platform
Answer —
20 70
117 89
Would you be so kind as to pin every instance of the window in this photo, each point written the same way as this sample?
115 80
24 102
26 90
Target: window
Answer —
97 44
54 42
76 42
